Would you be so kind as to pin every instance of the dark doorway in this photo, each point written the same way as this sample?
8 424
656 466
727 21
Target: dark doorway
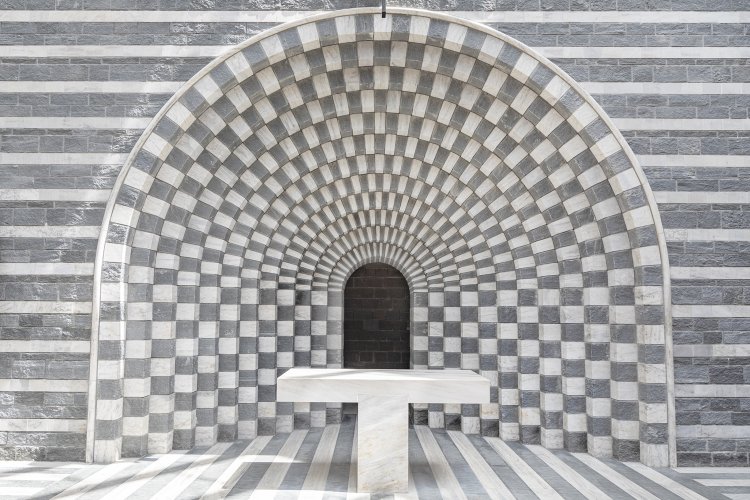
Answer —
376 318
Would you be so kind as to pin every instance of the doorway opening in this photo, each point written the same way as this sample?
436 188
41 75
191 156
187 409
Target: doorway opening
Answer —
376 319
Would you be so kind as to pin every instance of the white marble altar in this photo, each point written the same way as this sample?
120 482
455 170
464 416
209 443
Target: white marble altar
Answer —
383 397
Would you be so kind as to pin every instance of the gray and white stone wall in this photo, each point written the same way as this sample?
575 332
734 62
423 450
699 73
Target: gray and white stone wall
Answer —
80 81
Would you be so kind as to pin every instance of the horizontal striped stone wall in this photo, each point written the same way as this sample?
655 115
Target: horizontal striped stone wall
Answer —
79 84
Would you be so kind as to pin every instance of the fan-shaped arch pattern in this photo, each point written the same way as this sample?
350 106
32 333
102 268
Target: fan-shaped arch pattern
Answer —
517 214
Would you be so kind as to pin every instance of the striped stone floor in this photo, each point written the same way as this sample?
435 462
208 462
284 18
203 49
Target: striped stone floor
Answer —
317 464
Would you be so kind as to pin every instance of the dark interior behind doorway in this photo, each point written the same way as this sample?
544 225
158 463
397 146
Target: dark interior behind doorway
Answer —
376 318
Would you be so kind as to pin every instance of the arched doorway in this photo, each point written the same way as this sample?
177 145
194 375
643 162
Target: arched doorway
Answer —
376 318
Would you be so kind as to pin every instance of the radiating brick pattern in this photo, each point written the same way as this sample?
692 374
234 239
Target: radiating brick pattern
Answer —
449 151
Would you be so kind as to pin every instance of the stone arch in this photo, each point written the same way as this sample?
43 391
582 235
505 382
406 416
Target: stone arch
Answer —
248 174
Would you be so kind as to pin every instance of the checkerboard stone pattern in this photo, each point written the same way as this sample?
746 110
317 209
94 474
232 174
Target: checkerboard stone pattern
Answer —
449 151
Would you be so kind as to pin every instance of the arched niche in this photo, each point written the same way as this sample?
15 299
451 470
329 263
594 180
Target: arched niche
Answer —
485 174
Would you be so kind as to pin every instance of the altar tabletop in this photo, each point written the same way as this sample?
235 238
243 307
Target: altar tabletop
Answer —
342 385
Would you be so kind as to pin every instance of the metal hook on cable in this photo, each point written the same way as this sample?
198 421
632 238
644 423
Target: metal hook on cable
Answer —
382 8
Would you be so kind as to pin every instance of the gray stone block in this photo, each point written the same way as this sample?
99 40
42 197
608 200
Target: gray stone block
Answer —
28 369
691 374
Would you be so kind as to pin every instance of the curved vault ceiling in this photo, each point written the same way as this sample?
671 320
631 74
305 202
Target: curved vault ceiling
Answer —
501 191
